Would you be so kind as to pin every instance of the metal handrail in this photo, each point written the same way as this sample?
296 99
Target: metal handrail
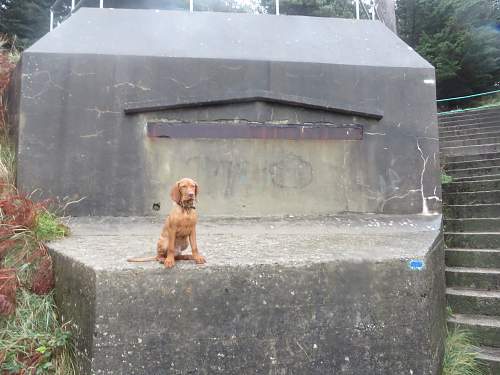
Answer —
367 12
372 13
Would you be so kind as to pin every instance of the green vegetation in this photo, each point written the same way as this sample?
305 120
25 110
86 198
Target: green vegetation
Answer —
446 179
48 227
460 356
459 37
33 338
30 335
7 164
490 100
25 20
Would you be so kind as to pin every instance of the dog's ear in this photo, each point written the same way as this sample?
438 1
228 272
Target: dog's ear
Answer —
175 193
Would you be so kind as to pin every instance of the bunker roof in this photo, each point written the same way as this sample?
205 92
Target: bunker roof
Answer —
229 36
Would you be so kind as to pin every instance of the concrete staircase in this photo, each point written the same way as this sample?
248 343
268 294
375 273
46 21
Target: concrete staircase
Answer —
470 153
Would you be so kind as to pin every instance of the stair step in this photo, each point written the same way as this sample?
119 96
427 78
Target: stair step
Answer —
449 167
476 302
468 112
472 240
475 197
473 278
491 357
470 154
468 115
474 172
481 258
468 124
485 329
486 177
470 142
445 133
472 224
446 118
472 157
472 210
471 186
470 150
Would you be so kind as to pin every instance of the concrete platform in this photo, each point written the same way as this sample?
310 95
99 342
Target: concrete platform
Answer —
293 295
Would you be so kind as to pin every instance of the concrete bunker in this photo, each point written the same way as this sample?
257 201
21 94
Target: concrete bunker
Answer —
88 99
297 117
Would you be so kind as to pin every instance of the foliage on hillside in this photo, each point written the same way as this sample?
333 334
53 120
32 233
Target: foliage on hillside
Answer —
26 20
461 38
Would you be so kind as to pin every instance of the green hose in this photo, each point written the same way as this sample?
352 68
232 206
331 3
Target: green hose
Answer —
468 96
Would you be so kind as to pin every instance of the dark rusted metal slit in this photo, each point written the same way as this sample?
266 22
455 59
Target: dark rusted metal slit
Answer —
255 131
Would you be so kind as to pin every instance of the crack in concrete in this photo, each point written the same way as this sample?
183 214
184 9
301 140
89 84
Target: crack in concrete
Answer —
186 86
133 85
425 208
102 111
72 73
48 84
96 134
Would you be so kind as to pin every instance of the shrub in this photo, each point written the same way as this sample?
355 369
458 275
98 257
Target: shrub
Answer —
446 179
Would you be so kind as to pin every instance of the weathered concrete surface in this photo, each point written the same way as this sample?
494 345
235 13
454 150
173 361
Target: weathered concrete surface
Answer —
76 142
286 296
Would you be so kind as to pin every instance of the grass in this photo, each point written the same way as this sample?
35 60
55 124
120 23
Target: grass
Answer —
48 227
460 356
484 102
491 100
13 53
7 165
33 338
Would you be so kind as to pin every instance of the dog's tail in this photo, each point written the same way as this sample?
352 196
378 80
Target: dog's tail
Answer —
146 259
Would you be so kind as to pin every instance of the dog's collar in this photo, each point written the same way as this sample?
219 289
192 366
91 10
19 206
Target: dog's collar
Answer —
186 206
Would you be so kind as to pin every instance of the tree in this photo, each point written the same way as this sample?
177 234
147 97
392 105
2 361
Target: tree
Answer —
459 37
26 20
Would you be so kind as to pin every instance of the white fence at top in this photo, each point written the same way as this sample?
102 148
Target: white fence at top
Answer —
368 8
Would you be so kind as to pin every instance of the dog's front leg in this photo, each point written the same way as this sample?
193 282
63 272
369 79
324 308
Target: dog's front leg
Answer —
170 259
194 248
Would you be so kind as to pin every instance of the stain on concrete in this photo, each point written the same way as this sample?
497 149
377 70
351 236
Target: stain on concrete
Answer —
292 172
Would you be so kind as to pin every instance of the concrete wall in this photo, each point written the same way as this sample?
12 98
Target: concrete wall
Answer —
326 296
76 141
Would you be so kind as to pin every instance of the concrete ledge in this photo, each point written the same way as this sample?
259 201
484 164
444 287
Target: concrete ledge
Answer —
277 296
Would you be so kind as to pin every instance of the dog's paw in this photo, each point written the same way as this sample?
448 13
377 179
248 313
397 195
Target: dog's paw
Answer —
169 263
200 259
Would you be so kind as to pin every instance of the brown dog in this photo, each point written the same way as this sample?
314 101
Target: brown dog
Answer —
179 226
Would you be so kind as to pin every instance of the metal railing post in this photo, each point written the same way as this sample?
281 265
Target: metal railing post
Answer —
72 5
357 9
101 3
191 5
277 7
51 26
